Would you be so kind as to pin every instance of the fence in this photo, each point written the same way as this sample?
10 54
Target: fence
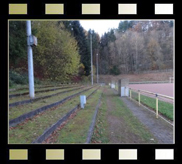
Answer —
155 71
149 82
157 102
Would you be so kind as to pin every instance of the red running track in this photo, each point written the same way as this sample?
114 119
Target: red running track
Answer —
164 89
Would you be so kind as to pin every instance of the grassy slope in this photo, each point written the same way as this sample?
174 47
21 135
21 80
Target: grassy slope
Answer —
27 97
19 110
101 132
28 132
77 129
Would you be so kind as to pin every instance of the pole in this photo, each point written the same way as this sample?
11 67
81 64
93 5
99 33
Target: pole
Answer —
136 53
30 61
97 70
156 106
91 58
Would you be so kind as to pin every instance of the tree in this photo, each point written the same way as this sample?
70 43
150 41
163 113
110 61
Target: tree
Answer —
17 43
153 50
125 25
57 53
78 33
138 45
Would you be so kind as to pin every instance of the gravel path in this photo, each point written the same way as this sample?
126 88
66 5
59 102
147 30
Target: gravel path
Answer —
158 127
120 130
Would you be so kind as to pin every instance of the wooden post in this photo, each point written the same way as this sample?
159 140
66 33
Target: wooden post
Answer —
156 106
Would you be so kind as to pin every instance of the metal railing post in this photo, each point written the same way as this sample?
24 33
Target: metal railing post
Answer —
156 106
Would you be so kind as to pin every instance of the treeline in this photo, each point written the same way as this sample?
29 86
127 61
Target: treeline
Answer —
137 46
62 54
63 51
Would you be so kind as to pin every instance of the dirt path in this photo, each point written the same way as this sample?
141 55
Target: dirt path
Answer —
120 131
158 127
114 122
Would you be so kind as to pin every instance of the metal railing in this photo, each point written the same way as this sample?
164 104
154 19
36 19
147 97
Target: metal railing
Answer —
149 82
152 95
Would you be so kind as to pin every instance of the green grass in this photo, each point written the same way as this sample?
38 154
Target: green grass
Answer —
16 86
27 90
116 87
132 122
27 97
36 126
164 108
130 125
76 130
38 89
19 110
101 134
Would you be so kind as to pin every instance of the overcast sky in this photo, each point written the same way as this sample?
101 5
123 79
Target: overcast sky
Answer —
99 26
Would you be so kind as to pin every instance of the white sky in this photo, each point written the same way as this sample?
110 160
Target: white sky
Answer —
99 26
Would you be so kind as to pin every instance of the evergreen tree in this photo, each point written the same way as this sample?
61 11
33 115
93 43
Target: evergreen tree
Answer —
17 42
78 32
125 25
80 37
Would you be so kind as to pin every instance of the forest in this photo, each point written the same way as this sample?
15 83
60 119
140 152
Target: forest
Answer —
63 50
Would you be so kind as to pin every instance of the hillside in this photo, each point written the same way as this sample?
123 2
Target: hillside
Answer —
155 76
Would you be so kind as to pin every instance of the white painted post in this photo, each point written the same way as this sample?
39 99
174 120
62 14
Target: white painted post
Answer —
82 101
112 86
122 91
30 60
156 106
126 91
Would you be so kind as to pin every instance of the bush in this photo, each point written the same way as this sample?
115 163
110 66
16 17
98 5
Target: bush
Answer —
86 79
37 81
21 78
17 78
11 83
